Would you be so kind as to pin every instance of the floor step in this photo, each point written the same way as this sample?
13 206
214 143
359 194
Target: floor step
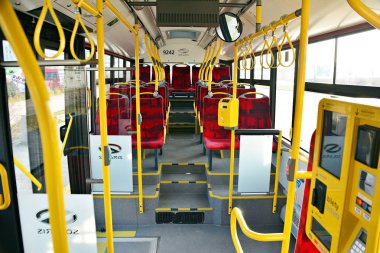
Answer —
180 217
183 178
181 124
183 188
181 110
182 168
183 202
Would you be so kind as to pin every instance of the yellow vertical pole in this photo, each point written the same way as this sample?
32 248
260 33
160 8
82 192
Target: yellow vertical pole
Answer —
12 29
206 75
278 163
103 128
297 120
138 124
232 156
200 74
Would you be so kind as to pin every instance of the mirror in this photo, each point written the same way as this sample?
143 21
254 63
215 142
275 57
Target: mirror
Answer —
230 27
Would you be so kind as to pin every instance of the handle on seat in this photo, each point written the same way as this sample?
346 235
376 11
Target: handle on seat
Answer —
253 92
6 196
89 98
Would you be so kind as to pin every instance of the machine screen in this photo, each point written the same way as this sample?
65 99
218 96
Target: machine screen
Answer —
363 237
367 147
334 131
323 236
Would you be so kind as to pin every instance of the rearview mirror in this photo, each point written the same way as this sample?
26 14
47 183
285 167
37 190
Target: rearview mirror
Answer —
230 27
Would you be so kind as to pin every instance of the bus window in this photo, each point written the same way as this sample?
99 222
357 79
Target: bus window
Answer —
320 62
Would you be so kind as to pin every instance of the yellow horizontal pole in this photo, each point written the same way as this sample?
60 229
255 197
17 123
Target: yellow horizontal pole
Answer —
88 7
112 8
272 26
237 215
27 173
14 33
372 17
304 175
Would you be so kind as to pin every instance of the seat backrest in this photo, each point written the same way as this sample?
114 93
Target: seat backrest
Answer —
117 109
151 109
167 74
221 73
194 74
254 112
162 91
144 74
204 91
211 129
240 90
181 77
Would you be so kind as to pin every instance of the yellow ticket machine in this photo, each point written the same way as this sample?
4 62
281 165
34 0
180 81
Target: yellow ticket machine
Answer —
344 206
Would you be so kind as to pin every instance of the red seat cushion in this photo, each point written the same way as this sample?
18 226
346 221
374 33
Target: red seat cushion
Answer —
215 137
167 74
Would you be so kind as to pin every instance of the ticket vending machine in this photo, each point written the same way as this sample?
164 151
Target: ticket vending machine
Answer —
344 203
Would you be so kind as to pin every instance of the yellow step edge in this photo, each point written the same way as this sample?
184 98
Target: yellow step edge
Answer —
183 182
183 209
117 234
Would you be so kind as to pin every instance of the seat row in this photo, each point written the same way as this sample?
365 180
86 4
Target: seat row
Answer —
121 116
254 113
182 78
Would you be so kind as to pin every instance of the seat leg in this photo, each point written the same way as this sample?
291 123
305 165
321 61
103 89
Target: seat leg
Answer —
210 159
161 151
200 138
204 149
156 158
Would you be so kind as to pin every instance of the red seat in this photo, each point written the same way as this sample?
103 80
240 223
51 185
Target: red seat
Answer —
117 115
167 74
181 79
144 74
152 126
204 92
254 113
162 91
194 75
215 137
221 73
242 89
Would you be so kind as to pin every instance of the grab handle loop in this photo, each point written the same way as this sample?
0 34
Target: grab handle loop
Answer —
79 21
273 42
285 39
252 62
266 46
37 33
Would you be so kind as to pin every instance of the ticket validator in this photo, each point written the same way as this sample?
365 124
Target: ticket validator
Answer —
344 205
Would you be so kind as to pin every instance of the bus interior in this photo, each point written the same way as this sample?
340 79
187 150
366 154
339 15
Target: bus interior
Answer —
189 126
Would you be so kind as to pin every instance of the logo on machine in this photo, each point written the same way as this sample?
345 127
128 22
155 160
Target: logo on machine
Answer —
183 52
43 216
332 148
114 148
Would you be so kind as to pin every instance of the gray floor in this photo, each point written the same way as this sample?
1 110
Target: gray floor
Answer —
174 238
186 148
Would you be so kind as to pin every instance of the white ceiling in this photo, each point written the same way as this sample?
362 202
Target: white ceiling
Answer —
325 16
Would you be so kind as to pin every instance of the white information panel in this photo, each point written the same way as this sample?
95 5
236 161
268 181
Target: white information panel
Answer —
35 226
121 163
255 161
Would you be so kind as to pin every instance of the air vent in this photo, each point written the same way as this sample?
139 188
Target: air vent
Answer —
182 34
195 13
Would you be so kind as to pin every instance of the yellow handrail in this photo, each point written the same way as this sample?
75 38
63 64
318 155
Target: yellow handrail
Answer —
14 33
153 60
236 215
203 66
88 7
213 61
5 199
120 16
207 70
277 175
79 21
37 32
66 136
89 102
365 12
284 40
27 173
